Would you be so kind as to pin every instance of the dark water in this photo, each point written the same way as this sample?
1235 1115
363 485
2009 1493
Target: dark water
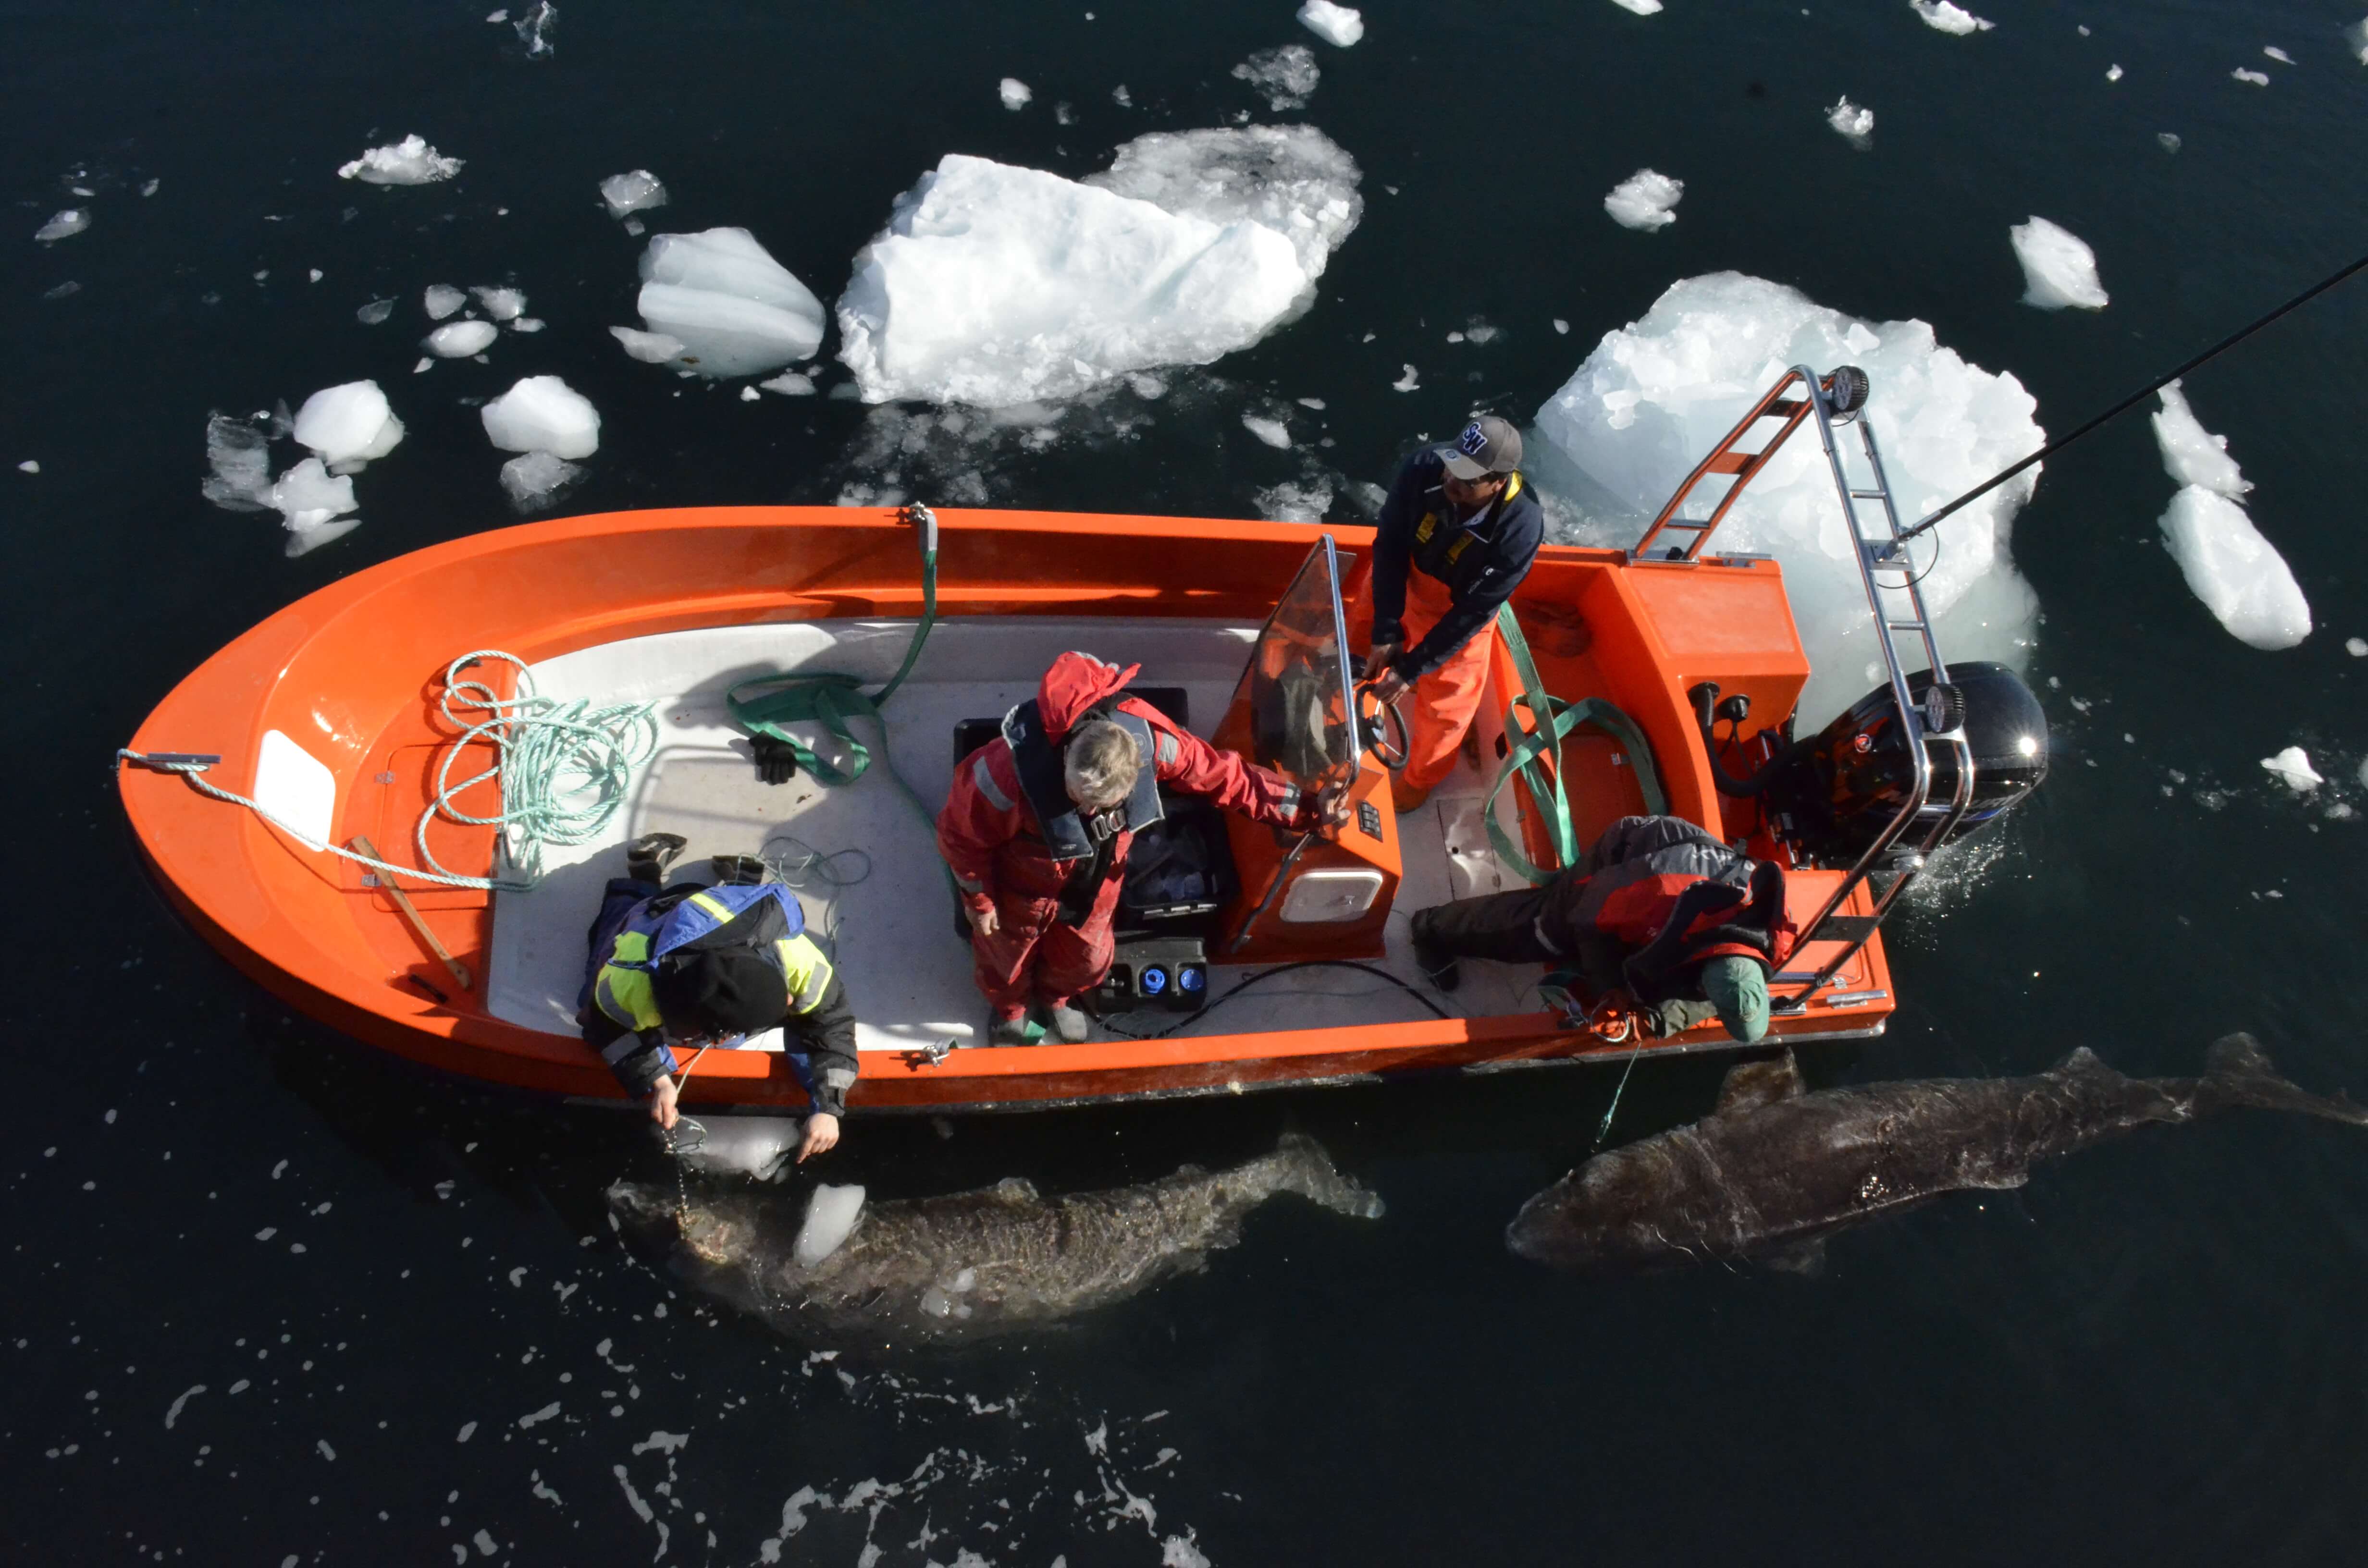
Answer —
415 1335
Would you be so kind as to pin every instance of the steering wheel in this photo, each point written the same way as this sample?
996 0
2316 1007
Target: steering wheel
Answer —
1373 728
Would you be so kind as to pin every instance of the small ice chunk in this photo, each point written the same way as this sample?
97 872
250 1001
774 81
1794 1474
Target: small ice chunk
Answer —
2113 72
535 479
1854 122
1121 96
408 162
501 16
650 348
461 339
1644 200
737 310
2058 268
1013 93
240 456
830 1215
348 423
2294 770
303 542
2192 455
2170 141
2355 646
1947 18
501 304
149 186
1642 7
1562 327
32 466
2259 78
307 496
1273 432
1407 383
631 192
2356 35
789 384
527 324
1285 77
1287 502
442 300
375 312
63 225
534 29
2280 55
543 413
748 394
2239 574
1334 24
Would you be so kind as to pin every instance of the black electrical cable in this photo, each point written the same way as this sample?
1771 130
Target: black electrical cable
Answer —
1436 1010
2136 397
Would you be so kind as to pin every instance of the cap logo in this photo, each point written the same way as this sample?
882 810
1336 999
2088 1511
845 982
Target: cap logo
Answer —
1473 441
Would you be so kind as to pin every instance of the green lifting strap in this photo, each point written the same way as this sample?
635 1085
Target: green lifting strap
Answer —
1551 720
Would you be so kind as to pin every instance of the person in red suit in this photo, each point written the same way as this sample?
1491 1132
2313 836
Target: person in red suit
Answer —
1037 825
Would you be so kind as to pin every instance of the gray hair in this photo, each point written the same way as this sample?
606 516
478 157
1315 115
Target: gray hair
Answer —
1100 765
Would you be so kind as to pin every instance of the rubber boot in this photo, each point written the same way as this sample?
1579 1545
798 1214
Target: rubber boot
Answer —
1071 1024
1437 965
738 871
647 858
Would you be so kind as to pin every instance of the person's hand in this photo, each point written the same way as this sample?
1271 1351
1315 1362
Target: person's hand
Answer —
662 1108
1332 806
1380 654
822 1136
984 921
1388 687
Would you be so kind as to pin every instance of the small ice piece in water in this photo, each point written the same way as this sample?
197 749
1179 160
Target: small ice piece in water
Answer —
2192 455
1334 24
350 424
534 29
502 304
461 339
2294 770
1121 96
2259 78
1273 432
2170 141
2356 35
64 225
150 187
1562 327
2280 55
1854 122
1013 93
408 162
1950 18
2113 72
650 348
534 481
1642 7
2057 267
830 1217
1644 200
240 457
1407 383
543 413
500 16
1305 503
2355 646
30 466
527 324
442 300
303 542
631 192
308 497
748 394
1285 77
2239 574
375 312
737 310
789 384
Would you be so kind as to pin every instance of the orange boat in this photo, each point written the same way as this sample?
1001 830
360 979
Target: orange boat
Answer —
335 721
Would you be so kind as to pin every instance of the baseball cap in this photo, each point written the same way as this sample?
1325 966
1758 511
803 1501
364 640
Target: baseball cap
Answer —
1738 987
1488 445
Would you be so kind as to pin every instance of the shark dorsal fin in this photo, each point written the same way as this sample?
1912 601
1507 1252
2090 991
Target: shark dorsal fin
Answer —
1018 1191
1755 1083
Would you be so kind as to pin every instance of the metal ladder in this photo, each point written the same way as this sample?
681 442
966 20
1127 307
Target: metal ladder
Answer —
1728 458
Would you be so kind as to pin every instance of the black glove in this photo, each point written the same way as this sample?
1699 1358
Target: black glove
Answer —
776 760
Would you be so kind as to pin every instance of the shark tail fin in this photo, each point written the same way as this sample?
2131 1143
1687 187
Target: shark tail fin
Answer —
1308 1171
2237 1070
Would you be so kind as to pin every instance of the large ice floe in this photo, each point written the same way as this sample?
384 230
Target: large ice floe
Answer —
1945 16
1656 395
408 162
735 311
994 284
2239 574
1645 199
2058 268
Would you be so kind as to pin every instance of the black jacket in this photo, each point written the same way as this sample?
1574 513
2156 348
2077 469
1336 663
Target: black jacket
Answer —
1481 563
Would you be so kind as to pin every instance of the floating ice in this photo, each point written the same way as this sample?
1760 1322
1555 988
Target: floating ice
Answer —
2355 646
461 339
650 348
1333 24
534 29
1644 200
2170 141
1285 77
2239 575
1305 503
2192 455
830 1215
240 456
349 424
408 162
442 300
535 479
1655 397
64 225
2258 78
1273 432
1851 120
2356 35
375 312
1950 18
543 413
2113 72
501 304
527 324
32 466
2280 55
737 310
2058 268
789 384
2294 770
307 496
1409 382
1642 7
150 187
631 192
995 285
1013 93
303 542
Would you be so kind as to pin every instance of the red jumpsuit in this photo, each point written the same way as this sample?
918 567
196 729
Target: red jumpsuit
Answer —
990 839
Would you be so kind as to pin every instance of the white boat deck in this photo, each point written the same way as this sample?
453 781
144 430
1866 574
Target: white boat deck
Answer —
891 928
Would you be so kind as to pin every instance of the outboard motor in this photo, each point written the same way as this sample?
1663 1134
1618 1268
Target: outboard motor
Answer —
1832 794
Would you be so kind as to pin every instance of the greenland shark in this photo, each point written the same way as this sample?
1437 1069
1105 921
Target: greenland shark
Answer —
971 1264
1771 1171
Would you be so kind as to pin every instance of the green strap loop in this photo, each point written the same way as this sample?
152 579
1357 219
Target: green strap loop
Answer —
1553 720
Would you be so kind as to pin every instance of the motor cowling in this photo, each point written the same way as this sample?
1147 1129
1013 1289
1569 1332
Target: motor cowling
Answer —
1834 793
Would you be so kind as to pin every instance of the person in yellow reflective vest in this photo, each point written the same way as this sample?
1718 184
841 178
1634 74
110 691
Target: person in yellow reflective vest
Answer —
690 965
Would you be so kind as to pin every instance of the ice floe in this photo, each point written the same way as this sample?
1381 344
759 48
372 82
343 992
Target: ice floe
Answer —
1654 396
442 300
2239 574
408 162
1285 77
1645 199
239 456
501 304
1292 178
1288 503
535 479
631 192
789 383
1334 24
735 310
1642 7
2191 454
650 348
2113 72
461 339
534 29
63 225
2356 35
375 312
1273 432
2292 768
349 424
2258 78
1950 18
307 495
2280 55
1855 122
2058 268
1013 93
543 413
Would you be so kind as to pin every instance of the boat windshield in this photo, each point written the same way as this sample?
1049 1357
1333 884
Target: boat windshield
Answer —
1297 692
